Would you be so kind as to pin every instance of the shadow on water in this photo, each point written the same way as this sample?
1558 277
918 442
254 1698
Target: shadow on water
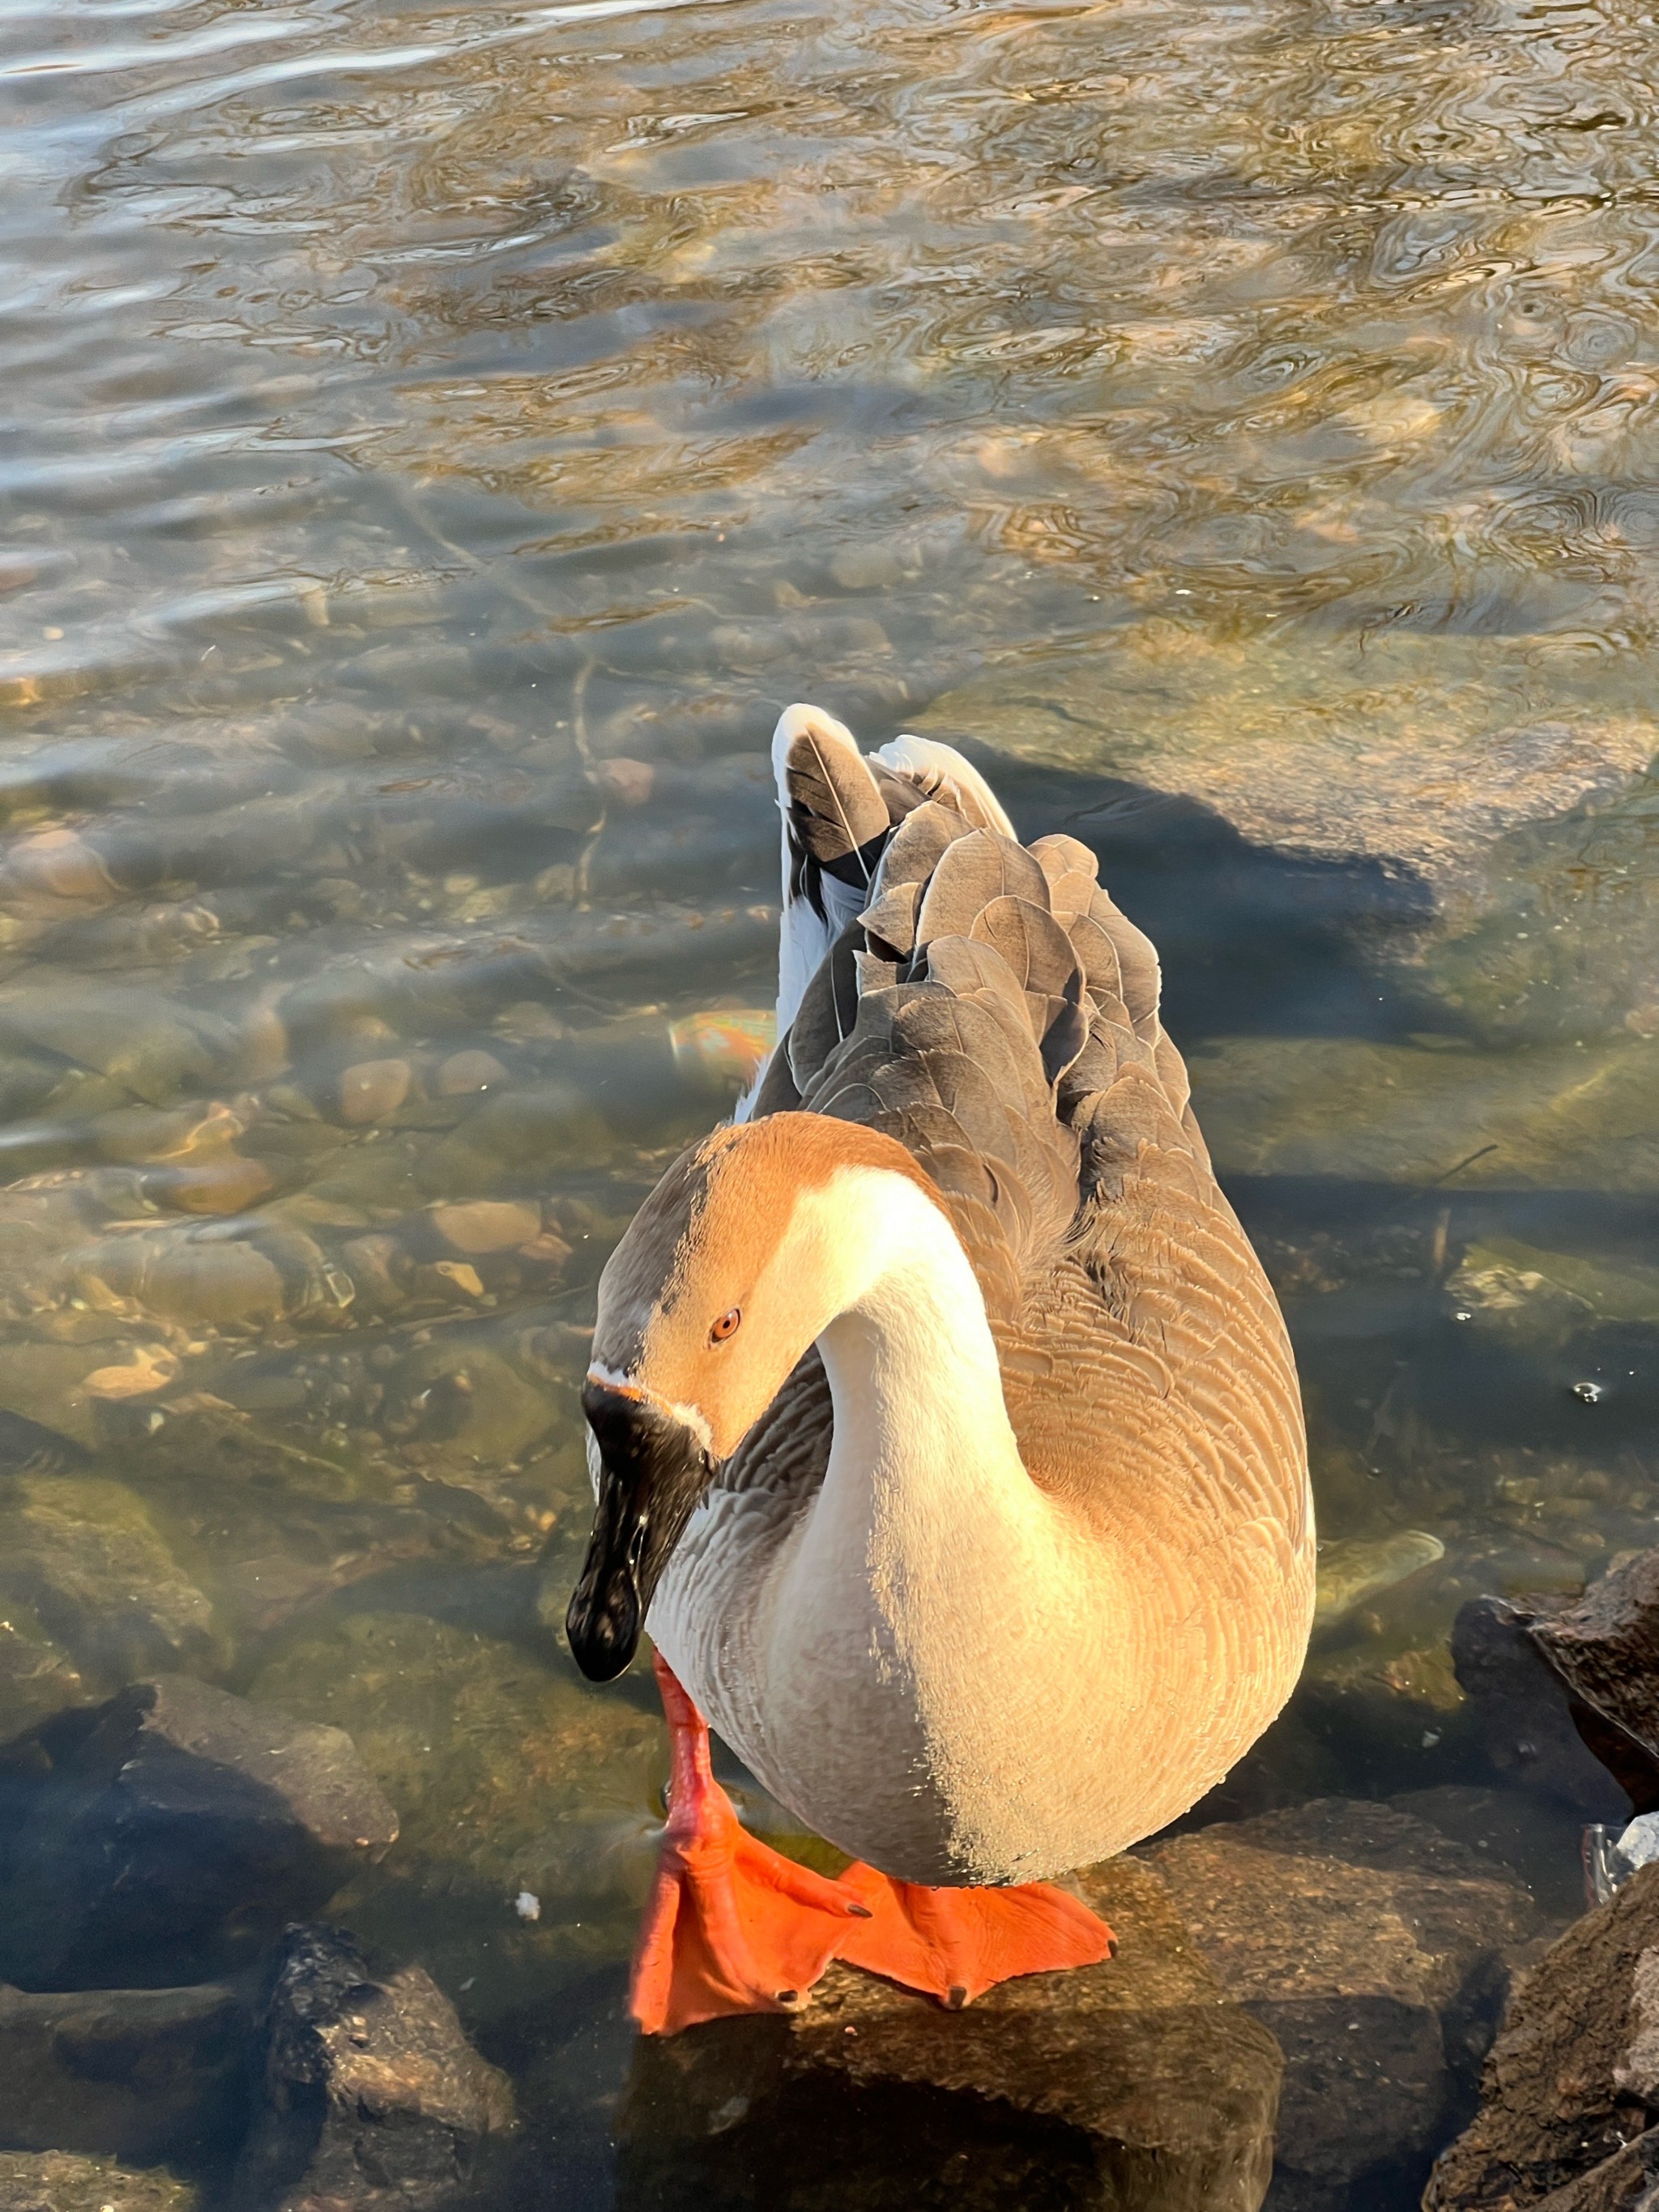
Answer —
1251 940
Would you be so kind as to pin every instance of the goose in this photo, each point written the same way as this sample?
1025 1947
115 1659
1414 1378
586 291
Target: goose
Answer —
943 1428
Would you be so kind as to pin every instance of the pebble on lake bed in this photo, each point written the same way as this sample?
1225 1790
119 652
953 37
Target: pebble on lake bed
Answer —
373 1089
464 1075
486 1225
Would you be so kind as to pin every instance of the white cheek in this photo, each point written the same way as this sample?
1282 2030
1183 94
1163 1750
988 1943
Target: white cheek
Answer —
694 1421
618 1378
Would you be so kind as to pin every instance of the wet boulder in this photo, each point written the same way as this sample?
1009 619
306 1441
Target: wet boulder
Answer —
1376 1950
133 2074
168 1831
1570 2095
65 2181
1135 2082
369 2097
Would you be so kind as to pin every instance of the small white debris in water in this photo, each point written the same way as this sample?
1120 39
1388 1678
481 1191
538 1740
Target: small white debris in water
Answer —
468 1983
1431 1737
528 1905
1587 1394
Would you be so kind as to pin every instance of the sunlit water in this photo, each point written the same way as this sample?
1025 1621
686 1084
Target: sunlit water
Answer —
437 440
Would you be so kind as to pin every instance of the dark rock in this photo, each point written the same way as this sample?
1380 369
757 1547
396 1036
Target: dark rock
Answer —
1375 1948
370 2099
63 2181
1526 1712
1619 2184
170 1831
135 2074
1133 2083
1573 2077
1606 1649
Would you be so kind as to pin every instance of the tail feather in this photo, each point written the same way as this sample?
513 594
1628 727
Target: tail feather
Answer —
938 771
835 822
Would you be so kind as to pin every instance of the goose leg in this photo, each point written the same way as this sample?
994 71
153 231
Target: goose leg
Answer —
732 1926
955 1944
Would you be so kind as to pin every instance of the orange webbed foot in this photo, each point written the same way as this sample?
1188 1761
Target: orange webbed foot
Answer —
732 1926
955 1944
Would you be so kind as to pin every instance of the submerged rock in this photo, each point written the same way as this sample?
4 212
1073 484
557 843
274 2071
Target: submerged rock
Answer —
1400 750
1135 2083
369 2097
1351 1571
185 1275
64 2181
1532 1725
1387 1709
36 1678
170 1830
152 1046
84 1556
509 1774
137 2073
1573 2078
1528 1296
486 1225
1370 1112
1515 1832
472 1399
372 1088
1376 1951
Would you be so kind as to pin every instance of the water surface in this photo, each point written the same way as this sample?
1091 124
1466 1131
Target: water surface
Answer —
438 440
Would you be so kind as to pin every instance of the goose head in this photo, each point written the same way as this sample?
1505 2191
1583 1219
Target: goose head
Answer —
744 1253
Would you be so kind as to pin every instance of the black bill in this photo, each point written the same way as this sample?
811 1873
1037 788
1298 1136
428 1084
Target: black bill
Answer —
654 1474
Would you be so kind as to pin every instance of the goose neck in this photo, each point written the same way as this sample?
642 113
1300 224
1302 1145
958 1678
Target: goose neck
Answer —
912 1364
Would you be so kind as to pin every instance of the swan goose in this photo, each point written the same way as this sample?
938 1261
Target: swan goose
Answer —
943 1423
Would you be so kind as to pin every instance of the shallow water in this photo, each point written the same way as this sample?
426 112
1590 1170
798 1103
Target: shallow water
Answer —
438 440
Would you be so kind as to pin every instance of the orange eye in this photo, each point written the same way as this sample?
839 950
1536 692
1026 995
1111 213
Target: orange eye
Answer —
726 1326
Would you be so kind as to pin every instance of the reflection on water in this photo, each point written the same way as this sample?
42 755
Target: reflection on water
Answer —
437 440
